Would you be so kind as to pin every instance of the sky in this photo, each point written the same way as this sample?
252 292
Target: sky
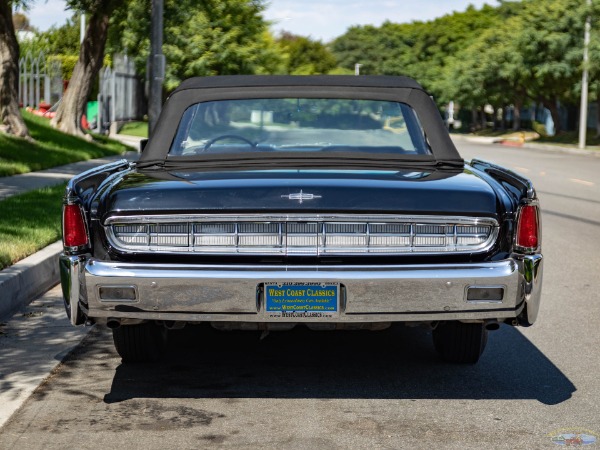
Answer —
319 19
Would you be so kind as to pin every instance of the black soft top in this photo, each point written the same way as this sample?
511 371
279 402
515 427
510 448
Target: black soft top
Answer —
391 88
228 81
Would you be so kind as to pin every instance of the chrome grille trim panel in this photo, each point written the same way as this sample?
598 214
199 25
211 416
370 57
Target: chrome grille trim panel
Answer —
301 234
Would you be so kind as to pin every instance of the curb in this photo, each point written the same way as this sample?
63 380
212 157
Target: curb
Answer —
29 278
132 141
528 145
473 139
559 149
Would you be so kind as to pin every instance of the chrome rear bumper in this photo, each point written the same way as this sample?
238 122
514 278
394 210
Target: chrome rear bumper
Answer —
399 293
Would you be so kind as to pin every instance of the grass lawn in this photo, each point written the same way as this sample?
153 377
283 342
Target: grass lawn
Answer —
51 148
29 222
571 138
135 129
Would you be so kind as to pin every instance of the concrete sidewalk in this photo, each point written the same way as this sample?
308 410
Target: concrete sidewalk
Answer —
32 344
32 276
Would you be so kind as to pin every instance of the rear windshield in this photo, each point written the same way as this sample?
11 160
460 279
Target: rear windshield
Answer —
299 125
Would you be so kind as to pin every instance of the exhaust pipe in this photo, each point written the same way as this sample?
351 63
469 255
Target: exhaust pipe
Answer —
173 325
492 325
113 323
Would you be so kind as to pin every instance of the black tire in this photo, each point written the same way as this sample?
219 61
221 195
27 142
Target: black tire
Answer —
145 342
460 342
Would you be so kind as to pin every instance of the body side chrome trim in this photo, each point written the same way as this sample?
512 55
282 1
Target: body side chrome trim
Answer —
528 185
164 218
104 168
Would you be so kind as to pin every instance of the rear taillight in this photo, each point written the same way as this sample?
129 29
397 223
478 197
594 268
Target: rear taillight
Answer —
74 234
528 228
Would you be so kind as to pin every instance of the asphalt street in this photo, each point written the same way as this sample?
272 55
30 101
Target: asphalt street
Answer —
386 389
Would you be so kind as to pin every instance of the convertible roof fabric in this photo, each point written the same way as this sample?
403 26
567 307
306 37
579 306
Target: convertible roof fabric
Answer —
381 81
399 89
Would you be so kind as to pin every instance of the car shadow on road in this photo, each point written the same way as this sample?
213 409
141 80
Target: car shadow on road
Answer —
398 363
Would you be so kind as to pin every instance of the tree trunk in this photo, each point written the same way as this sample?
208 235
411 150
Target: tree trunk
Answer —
474 119
483 118
503 117
9 74
91 55
553 107
598 116
517 114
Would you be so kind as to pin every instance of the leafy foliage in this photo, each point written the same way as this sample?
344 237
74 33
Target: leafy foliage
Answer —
418 49
505 55
63 40
209 37
304 56
509 54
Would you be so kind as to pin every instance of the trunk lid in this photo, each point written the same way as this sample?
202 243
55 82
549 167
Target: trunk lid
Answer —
299 191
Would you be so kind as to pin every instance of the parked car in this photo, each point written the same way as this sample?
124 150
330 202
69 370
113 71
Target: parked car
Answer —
332 202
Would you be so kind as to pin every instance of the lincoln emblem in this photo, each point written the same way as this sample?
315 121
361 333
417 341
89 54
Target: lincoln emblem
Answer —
301 196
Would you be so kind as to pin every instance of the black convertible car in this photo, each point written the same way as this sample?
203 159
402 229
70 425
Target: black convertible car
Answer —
332 202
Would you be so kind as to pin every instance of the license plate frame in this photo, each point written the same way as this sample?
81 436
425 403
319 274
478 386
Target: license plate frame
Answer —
299 300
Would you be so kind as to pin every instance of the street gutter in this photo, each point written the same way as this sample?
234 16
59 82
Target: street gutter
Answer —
27 279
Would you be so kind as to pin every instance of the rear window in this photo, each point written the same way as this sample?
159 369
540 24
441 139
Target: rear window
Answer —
299 125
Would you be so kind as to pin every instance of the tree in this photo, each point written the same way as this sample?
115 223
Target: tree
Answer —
550 43
62 40
217 38
594 69
360 45
304 56
9 74
72 106
202 38
489 71
503 55
418 49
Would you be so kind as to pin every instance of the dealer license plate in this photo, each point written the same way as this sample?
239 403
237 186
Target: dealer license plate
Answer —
299 300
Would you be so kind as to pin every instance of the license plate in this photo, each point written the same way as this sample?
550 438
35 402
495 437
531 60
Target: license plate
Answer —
299 300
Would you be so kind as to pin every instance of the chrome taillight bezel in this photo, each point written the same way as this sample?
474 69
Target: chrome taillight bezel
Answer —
522 249
69 249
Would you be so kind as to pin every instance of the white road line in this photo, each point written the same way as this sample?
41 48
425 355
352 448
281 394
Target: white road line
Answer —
584 182
522 169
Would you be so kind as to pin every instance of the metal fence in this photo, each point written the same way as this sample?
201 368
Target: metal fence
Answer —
40 80
121 95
